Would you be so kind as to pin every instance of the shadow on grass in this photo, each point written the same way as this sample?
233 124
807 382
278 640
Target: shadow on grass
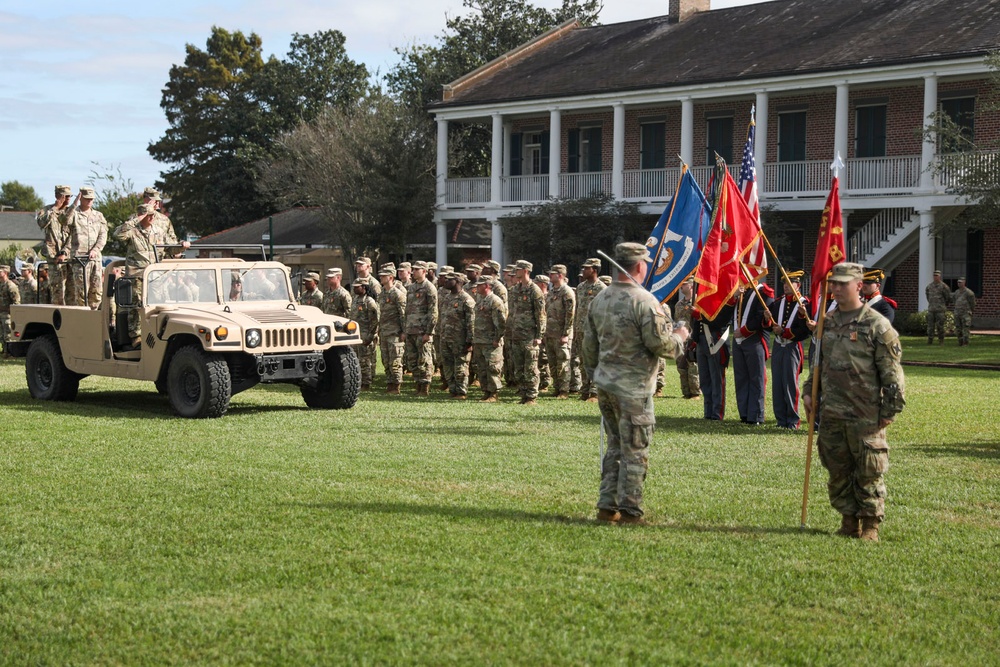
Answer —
979 450
483 514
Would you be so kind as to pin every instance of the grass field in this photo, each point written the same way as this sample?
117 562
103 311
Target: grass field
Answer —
437 532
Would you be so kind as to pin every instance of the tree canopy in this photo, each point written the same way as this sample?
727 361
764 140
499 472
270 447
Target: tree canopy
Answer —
17 196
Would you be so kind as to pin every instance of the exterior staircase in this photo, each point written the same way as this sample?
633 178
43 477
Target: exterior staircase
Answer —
892 236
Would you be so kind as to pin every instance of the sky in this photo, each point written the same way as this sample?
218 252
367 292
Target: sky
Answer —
80 89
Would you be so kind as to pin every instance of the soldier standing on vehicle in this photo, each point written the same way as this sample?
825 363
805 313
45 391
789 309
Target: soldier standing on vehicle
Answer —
457 315
938 300
364 311
965 302
51 220
392 317
88 232
487 341
140 236
421 321
9 295
311 295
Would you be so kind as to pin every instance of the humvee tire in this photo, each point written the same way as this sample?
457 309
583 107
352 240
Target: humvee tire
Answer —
47 375
339 384
198 384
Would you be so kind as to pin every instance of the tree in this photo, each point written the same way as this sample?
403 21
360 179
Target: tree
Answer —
370 169
19 197
226 105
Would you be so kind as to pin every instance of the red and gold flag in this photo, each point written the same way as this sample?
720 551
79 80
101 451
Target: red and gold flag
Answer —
830 246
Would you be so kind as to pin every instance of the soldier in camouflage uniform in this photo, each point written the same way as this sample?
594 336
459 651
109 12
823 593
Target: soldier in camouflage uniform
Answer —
626 332
88 232
590 286
52 221
9 295
491 269
938 300
457 317
687 363
363 270
165 229
488 330
403 274
544 375
965 302
392 317
364 311
442 293
140 234
421 322
311 295
526 322
861 392
44 294
560 314
336 299
28 286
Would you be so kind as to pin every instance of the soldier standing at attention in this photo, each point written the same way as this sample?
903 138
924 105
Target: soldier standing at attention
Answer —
51 220
544 378
861 392
965 302
491 269
364 311
311 295
28 286
687 363
590 286
457 317
789 326
526 323
336 300
626 333
487 341
9 295
871 291
403 272
392 316
560 313
421 321
938 300
88 232
140 236
363 269
44 295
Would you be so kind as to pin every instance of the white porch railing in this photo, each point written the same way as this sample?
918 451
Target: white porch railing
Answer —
525 188
578 186
876 232
882 175
467 190
957 165
657 184
796 179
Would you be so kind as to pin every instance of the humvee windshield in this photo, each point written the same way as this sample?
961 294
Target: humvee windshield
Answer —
258 284
181 286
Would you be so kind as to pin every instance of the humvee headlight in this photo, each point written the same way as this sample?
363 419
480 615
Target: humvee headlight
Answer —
253 338
323 335
221 333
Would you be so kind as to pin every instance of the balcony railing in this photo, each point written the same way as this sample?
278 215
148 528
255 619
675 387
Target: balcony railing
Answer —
468 190
651 184
984 165
578 186
534 188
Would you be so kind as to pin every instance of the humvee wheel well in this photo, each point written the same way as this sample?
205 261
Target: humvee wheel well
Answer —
175 343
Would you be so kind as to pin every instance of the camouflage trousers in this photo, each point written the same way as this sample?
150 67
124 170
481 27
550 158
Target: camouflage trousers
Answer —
489 364
935 324
857 457
508 362
134 321
86 284
579 381
393 350
61 289
419 358
544 375
524 364
558 358
963 323
690 381
5 329
367 357
455 367
628 425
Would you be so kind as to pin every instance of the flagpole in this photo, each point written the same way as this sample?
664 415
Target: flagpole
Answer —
814 412
756 290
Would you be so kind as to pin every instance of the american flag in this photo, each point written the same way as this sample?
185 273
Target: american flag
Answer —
756 259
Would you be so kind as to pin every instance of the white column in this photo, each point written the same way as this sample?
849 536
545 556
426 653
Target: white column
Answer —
927 259
928 150
687 130
760 141
441 244
555 151
844 215
508 130
441 186
840 137
618 153
496 245
496 162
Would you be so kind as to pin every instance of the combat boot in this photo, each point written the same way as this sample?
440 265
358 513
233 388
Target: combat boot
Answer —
392 389
631 520
562 395
608 516
528 401
423 389
849 526
444 385
459 397
869 528
488 397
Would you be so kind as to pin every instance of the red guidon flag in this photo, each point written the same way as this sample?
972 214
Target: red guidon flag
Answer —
733 234
830 246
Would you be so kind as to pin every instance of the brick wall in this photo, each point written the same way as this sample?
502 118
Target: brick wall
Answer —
988 302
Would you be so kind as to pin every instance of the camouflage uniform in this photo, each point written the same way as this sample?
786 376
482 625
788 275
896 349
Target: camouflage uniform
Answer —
626 332
965 302
861 383
53 223
526 323
88 232
365 312
392 316
687 364
421 320
9 295
312 297
938 300
579 381
140 252
337 302
44 293
457 313
560 308
28 289
488 330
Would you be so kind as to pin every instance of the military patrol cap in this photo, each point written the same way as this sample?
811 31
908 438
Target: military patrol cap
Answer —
406 266
359 282
330 273
420 265
387 272
845 272
446 268
27 266
962 279
509 268
484 280
432 266
63 190
87 193
630 253
313 276
150 192
144 209
594 262
874 275
543 279
523 265
474 267
388 266
794 276
5 267
937 272
690 279
558 268
493 264
363 260
605 279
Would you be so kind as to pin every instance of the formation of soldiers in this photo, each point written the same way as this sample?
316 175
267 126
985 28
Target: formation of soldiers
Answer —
939 299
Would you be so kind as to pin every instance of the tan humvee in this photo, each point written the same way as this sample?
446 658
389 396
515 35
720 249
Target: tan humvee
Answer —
210 328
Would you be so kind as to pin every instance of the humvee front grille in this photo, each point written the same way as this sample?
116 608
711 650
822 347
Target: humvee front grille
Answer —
285 338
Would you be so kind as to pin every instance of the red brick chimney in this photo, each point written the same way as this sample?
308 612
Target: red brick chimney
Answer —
682 9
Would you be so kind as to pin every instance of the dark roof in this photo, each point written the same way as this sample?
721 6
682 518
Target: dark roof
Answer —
297 227
19 225
461 234
783 37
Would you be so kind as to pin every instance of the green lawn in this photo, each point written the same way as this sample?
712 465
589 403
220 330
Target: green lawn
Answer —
983 350
439 532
